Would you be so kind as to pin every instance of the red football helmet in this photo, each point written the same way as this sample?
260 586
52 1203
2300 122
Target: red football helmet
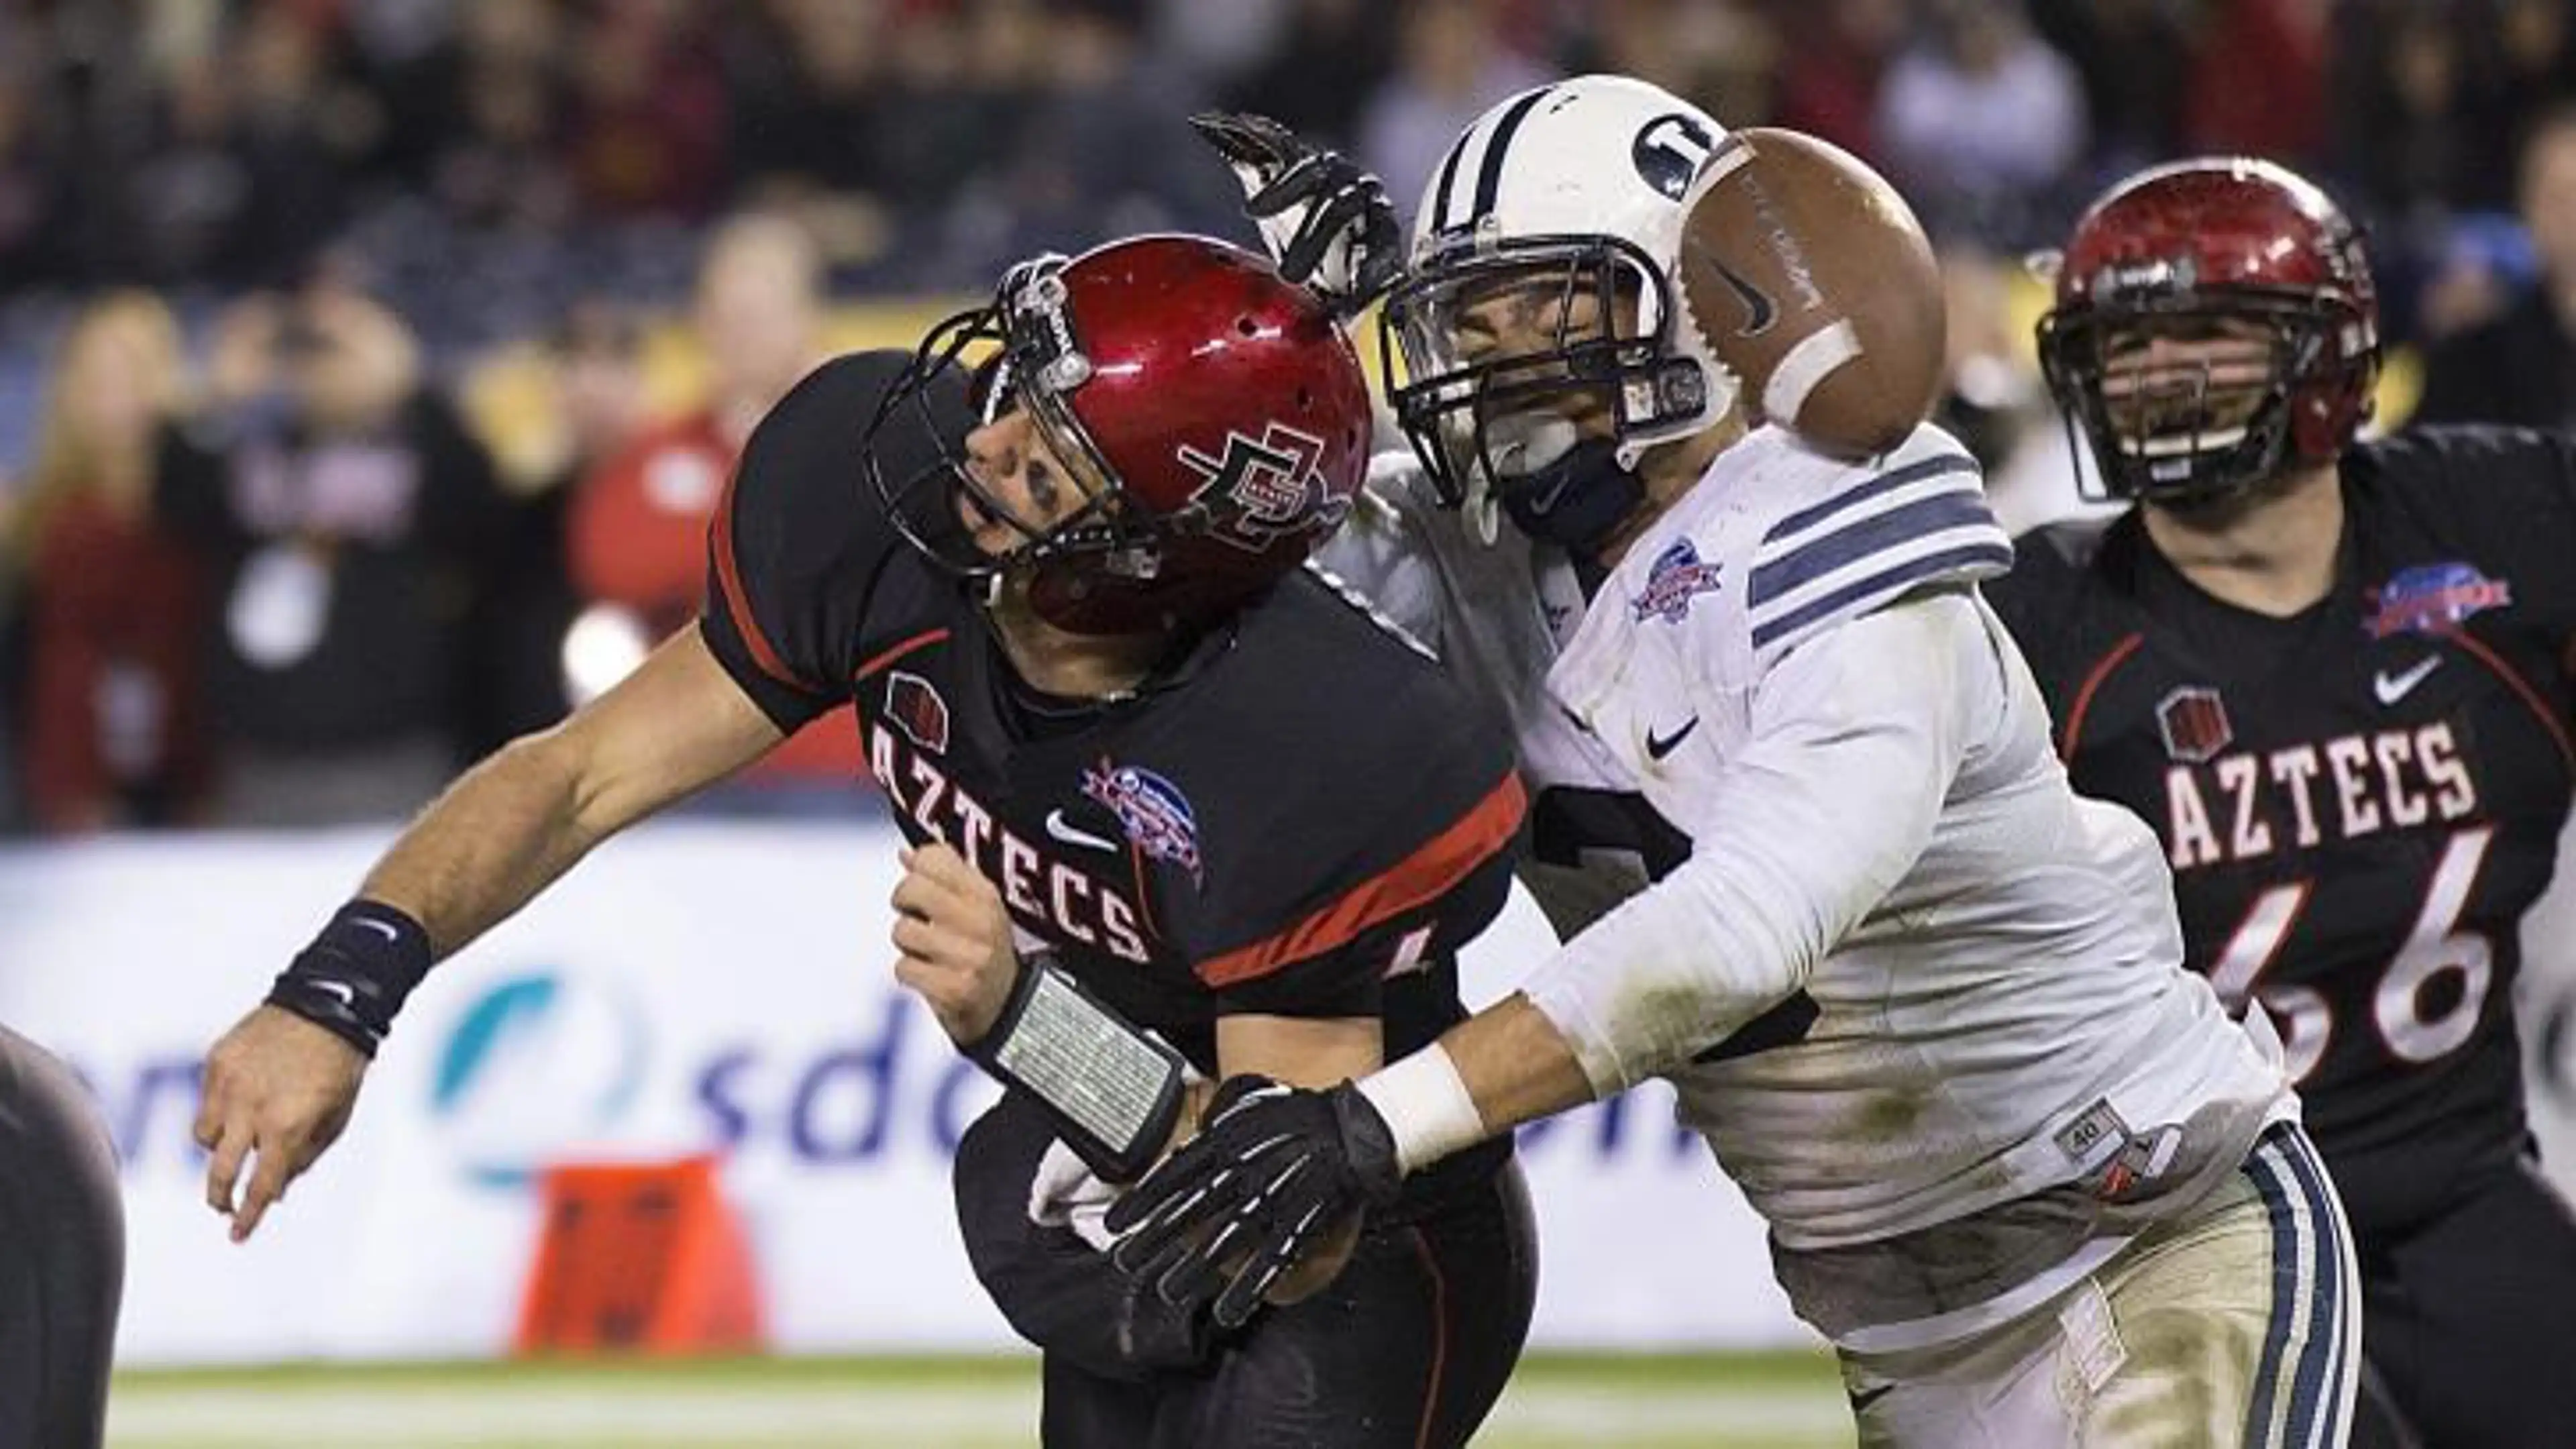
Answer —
2203 248
1221 411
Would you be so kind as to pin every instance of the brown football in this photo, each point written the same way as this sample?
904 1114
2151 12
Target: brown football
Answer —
1811 279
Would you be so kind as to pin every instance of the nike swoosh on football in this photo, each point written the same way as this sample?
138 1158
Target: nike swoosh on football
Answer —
2393 687
1759 309
1658 746
1071 834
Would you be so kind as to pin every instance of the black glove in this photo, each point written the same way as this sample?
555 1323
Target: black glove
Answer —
1274 1171
1327 223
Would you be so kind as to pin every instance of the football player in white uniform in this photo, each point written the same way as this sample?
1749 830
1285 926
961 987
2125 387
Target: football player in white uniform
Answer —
1926 1004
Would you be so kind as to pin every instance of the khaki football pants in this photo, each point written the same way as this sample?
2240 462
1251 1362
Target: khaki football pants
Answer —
2235 1324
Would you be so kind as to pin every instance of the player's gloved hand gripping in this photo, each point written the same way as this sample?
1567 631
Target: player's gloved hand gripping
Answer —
1327 223
1270 1178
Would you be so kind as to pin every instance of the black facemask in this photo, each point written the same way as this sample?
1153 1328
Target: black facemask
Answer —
1576 501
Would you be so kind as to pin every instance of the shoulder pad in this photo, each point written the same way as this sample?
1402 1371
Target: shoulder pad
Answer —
1872 538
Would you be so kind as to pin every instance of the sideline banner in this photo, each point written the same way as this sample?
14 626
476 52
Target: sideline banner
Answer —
724 986
694 986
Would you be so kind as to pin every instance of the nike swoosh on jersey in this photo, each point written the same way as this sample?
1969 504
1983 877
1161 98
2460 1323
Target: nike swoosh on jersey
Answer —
2391 688
1658 746
1862 548
1071 834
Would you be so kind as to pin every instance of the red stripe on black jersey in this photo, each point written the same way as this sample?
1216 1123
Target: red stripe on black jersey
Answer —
1434 1381
1418 879
920 641
2521 687
737 601
2093 679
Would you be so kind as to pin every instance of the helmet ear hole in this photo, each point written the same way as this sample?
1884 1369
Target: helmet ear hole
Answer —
1246 327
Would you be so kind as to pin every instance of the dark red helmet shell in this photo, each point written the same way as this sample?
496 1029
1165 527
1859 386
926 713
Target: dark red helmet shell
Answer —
1218 414
2220 237
1223 404
2216 222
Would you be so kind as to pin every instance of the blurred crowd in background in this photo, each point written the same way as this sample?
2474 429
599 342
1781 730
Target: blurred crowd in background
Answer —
368 368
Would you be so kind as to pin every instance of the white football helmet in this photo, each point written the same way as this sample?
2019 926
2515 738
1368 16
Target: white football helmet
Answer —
1573 189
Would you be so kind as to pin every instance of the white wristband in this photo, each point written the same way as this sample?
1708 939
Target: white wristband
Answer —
1426 1107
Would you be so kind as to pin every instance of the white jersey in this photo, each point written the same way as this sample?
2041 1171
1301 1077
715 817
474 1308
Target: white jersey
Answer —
1416 562
1965 982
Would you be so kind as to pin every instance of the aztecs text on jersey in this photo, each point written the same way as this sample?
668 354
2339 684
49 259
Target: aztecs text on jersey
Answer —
1301 818
2360 802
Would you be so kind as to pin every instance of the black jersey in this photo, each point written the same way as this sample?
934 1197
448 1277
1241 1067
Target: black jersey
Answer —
2359 802
1305 818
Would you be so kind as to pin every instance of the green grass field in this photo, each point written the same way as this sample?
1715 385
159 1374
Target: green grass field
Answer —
1780 1401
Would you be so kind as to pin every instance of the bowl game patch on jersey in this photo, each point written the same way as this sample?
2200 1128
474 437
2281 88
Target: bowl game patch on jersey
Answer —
1151 810
2434 599
1677 577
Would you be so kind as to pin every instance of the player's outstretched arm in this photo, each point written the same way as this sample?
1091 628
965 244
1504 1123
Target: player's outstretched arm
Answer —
279 1086
1855 744
515 822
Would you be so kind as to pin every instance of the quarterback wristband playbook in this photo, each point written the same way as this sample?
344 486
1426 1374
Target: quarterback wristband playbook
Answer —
1114 1090
354 976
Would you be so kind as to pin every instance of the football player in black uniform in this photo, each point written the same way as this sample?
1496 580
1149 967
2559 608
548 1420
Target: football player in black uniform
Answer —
2336 678
62 1254
1155 776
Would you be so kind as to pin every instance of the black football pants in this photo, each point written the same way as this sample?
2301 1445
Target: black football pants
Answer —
62 1254
1408 1347
2469 1325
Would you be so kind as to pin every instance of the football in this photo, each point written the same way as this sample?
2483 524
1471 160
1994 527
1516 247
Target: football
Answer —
1810 278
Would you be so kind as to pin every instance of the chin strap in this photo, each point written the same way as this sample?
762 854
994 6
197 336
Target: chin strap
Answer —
1576 501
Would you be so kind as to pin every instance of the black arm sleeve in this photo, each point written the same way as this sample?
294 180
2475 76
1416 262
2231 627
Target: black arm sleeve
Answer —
799 539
